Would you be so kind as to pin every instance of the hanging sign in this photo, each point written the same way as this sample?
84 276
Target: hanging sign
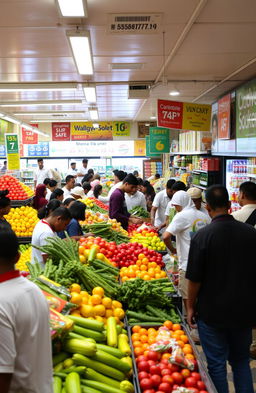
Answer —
140 147
12 151
224 117
183 115
61 131
159 140
148 154
29 137
39 150
83 131
121 128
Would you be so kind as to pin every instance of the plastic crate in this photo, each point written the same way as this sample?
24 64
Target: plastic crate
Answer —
25 202
24 240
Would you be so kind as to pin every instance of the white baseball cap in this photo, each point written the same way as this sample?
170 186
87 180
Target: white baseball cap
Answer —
194 193
78 191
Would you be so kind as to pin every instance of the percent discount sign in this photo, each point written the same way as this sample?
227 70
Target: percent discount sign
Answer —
169 114
12 151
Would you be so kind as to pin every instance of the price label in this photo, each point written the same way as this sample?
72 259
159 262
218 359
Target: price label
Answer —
12 151
134 24
169 114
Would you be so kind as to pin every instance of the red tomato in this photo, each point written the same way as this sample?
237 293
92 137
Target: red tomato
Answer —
185 373
195 375
149 391
156 380
155 370
143 375
143 366
164 361
141 358
146 383
177 377
168 379
191 382
173 367
201 385
203 391
166 371
152 355
151 363
165 387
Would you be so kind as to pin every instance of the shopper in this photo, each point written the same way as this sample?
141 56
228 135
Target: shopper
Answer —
88 178
96 180
41 173
196 195
73 170
118 181
247 200
78 193
87 187
82 171
25 345
50 187
49 208
220 297
74 230
159 205
39 198
57 221
149 192
135 198
4 168
117 206
68 202
70 183
98 189
5 207
58 193
136 173
185 223
170 210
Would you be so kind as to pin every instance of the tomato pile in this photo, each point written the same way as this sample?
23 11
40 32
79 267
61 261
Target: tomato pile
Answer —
109 249
17 190
155 372
99 203
127 254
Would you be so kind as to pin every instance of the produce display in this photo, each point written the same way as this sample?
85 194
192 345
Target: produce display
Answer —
142 269
105 249
106 231
95 205
127 254
139 212
23 220
17 191
25 257
148 239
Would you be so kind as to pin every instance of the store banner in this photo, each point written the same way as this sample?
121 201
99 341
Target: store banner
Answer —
29 137
82 131
159 140
12 151
214 127
121 128
183 115
246 110
148 154
39 150
140 148
224 117
61 132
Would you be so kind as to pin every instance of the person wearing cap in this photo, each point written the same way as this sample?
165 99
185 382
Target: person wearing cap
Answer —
78 193
196 195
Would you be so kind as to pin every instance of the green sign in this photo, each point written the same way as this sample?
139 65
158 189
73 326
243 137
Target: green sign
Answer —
148 154
12 144
246 110
159 140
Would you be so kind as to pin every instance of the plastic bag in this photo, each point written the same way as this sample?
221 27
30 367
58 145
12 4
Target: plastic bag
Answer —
164 341
177 357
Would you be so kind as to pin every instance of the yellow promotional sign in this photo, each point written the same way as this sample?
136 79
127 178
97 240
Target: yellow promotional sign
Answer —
12 151
196 117
13 162
140 148
101 130
121 128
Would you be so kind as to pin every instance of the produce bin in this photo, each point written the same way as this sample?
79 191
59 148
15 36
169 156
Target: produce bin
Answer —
24 240
201 364
24 202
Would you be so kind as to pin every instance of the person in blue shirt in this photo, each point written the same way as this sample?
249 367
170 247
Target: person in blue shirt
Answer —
74 230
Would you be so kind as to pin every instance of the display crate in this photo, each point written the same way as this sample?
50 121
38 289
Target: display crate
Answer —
24 240
24 202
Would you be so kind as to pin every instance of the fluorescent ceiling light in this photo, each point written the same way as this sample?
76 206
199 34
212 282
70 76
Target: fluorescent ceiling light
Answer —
94 114
17 87
174 93
75 8
37 103
60 119
152 117
90 94
81 48
14 120
48 113
33 129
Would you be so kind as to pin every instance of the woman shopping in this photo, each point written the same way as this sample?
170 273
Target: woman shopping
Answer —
40 197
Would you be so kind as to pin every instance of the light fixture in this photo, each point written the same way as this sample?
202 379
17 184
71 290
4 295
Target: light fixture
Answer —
174 93
90 94
73 8
81 48
14 120
153 117
53 113
17 87
29 127
59 119
94 113
39 103
147 124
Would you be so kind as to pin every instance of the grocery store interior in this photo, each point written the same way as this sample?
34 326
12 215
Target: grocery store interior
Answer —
164 90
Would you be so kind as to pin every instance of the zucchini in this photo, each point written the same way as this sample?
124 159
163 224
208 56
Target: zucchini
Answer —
83 347
60 357
97 336
112 351
98 366
73 383
63 390
123 345
75 335
102 387
111 332
112 361
95 376
78 370
57 384
68 363
61 375
87 389
88 323
58 367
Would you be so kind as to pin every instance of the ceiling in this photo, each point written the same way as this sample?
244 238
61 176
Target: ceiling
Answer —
207 48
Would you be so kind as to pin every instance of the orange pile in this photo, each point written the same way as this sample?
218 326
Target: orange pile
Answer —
143 269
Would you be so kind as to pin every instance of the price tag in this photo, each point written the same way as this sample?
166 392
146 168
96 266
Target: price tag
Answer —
169 114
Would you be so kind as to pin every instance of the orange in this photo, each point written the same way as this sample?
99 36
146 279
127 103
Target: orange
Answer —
166 356
143 268
144 346
75 288
187 350
143 331
117 304
98 291
86 311
107 302
144 338
138 351
145 353
84 300
119 312
81 249
76 298
176 326
151 339
125 278
139 274
136 344
151 274
180 343
141 256
136 329
152 264
139 263
168 324
189 356
163 274
145 261
109 313
99 310
82 258
96 299
147 277
151 331
157 275
131 274
84 293
179 332
184 338
136 336
188 346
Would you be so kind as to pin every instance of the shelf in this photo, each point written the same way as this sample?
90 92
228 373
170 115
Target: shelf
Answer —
178 167
199 186
189 153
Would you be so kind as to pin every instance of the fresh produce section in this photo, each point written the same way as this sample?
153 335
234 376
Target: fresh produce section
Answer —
142 269
25 257
23 220
17 191
138 211
95 205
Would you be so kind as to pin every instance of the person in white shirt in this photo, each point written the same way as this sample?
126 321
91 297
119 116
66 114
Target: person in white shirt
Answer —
51 186
41 173
25 345
73 170
196 195
170 210
247 200
187 221
159 205
97 191
70 184
135 199
118 181
82 171
57 221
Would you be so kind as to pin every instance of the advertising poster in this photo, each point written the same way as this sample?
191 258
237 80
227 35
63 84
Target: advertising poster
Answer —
29 137
92 149
224 117
94 131
39 150
121 128
159 140
169 114
12 151
143 128
214 127
61 132
140 147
